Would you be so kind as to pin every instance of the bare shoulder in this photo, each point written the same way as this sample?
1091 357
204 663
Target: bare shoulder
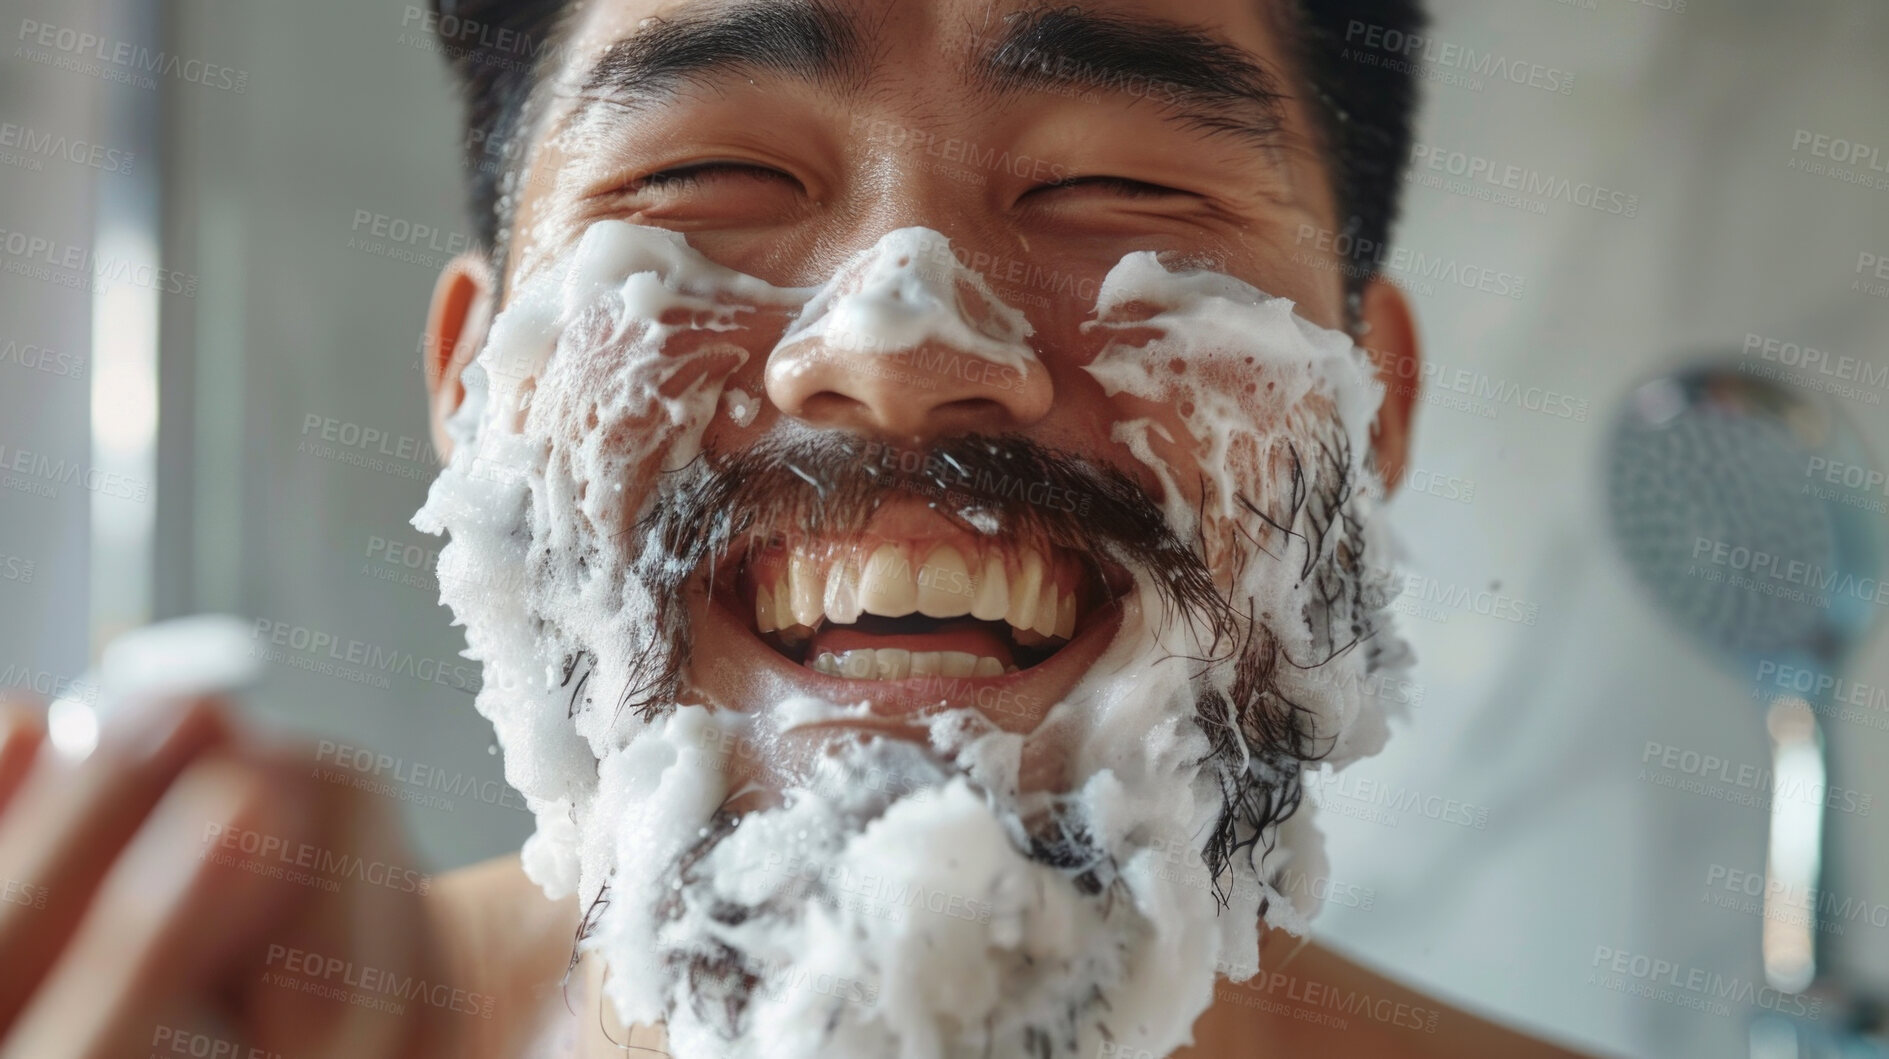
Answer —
498 885
501 938
1312 1000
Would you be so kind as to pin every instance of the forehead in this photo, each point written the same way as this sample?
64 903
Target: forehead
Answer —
599 23
1218 63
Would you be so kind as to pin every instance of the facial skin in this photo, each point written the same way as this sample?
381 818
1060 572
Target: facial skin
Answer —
1052 184
796 170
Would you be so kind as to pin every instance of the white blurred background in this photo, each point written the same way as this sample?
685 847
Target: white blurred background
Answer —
301 186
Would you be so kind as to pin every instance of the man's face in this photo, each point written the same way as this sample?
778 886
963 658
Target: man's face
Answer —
909 435
783 139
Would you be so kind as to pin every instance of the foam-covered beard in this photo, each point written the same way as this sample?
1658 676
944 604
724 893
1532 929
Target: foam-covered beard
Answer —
915 898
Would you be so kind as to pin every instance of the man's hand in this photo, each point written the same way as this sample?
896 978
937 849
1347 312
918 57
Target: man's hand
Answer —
185 887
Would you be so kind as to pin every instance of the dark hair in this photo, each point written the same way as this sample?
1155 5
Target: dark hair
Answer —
1364 101
496 50
1365 104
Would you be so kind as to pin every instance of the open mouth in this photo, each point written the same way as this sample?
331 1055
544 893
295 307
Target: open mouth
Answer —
896 607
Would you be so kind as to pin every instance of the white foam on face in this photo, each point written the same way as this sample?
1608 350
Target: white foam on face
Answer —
909 290
742 406
888 905
1234 362
1246 377
601 339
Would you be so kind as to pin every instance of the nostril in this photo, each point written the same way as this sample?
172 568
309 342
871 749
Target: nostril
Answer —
974 408
827 407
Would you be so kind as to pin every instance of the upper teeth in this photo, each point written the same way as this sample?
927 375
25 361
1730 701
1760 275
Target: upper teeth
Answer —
886 582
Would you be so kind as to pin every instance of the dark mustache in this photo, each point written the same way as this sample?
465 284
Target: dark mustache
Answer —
828 486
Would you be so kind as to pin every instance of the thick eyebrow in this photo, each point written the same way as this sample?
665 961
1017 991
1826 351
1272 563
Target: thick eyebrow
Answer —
1201 80
805 39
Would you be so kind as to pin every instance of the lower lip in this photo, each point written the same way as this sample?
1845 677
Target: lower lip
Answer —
908 730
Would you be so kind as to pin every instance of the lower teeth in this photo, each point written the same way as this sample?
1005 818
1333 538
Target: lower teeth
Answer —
893 663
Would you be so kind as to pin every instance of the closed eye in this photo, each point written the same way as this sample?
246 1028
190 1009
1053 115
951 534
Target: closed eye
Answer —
699 173
708 195
1121 186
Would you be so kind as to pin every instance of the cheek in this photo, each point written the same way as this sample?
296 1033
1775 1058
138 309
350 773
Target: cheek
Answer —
745 415
621 403
1230 442
1288 263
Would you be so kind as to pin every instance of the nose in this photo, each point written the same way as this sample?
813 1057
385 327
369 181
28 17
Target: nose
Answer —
906 343
933 389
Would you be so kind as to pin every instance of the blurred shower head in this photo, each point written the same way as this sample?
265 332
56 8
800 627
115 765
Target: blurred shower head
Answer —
1717 501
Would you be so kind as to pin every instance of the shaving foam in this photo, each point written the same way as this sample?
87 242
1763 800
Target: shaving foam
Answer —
908 290
888 906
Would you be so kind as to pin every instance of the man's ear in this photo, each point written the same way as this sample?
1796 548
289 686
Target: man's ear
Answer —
456 325
1390 336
